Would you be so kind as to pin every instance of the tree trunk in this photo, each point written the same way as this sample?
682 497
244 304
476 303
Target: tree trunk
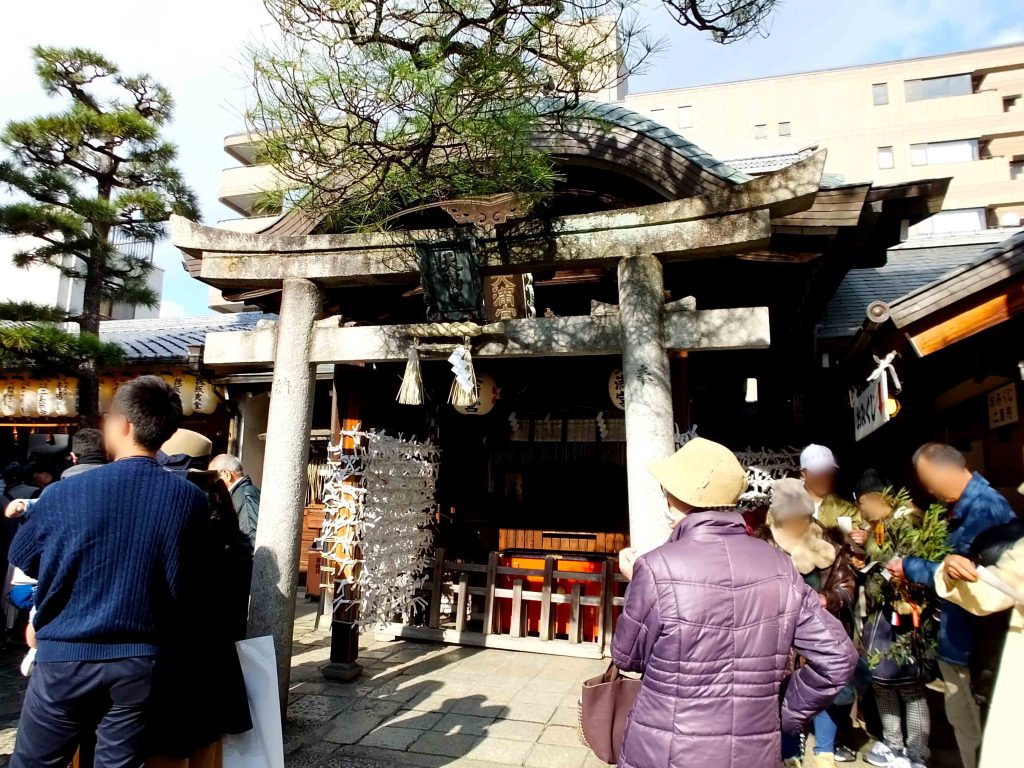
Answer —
89 322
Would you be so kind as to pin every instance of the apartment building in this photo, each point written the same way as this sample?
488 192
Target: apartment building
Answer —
958 115
47 285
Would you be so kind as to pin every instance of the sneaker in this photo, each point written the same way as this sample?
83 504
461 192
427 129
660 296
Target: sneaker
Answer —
900 761
29 662
825 760
845 755
880 755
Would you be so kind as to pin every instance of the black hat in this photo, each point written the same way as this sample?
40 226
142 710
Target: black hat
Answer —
871 481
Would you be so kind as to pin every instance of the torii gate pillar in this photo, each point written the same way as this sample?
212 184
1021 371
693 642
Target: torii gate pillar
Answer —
278 535
650 432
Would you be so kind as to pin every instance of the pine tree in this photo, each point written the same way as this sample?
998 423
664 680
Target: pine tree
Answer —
85 178
367 109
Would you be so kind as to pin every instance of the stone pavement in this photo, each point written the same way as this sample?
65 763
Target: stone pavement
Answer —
416 704
420 704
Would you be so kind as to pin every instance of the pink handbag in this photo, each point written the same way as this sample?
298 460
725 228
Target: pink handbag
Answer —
604 709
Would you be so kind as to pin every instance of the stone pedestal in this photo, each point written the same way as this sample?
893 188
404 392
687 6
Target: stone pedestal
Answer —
650 432
278 536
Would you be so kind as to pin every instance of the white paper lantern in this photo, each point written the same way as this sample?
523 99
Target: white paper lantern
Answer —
617 388
65 397
185 386
46 404
28 395
10 398
205 398
489 395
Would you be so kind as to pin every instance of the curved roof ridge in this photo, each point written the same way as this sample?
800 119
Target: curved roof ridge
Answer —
621 115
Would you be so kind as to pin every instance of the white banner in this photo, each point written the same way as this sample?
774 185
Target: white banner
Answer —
869 408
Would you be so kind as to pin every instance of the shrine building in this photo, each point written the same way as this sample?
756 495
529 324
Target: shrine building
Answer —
656 293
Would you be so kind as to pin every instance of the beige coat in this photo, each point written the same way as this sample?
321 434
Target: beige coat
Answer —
1001 745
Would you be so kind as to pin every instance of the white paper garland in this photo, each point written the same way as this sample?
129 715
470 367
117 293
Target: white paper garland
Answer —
379 504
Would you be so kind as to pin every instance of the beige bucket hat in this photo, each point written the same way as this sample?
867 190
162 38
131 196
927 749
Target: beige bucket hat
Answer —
189 443
702 474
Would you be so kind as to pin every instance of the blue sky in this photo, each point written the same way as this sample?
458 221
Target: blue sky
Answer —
194 47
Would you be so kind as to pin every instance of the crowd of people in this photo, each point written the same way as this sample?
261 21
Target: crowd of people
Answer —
751 634
134 573
749 639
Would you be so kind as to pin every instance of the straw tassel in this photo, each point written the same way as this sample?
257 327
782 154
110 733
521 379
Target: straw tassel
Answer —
411 391
465 390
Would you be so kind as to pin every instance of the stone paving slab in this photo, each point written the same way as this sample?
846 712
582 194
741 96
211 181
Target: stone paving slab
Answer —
417 704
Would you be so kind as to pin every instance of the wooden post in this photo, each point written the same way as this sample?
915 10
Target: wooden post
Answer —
604 609
575 626
517 608
460 616
279 535
545 598
650 434
436 589
492 583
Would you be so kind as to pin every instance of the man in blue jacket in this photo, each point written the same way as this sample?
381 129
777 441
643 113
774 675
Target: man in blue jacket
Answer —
118 554
976 506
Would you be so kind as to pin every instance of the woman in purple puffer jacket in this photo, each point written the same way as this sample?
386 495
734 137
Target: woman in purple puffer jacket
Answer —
710 618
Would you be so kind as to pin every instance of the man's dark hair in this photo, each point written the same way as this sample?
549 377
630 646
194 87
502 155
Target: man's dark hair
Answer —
940 453
87 442
153 408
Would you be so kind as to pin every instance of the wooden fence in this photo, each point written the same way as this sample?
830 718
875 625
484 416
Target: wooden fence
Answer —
476 606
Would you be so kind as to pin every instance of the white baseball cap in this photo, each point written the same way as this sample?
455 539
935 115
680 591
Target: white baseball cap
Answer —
817 458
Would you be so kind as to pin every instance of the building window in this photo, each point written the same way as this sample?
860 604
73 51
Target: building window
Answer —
939 152
880 94
1011 103
886 158
761 131
951 222
1016 169
785 129
685 116
659 115
939 87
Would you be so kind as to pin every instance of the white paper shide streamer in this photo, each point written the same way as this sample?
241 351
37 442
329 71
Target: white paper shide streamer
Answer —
379 506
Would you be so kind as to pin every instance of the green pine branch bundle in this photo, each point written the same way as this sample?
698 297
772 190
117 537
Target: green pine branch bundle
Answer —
910 535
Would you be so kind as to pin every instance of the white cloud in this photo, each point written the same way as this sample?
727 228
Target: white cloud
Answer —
170 308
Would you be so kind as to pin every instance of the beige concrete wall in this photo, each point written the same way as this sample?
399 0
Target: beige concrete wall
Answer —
835 109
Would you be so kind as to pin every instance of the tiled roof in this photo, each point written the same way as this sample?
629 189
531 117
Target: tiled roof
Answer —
167 339
993 265
909 267
627 118
769 163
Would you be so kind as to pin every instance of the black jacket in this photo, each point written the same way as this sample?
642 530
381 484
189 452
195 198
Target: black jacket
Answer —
246 498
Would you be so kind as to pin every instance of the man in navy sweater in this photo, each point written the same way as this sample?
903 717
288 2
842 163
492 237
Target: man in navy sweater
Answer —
118 556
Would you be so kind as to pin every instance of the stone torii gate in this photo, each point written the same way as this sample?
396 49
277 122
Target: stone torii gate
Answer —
638 240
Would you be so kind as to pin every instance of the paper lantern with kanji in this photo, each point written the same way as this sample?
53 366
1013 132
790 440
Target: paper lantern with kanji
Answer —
46 404
617 389
28 396
10 398
108 388
65 397
185 386
489 394
204 399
